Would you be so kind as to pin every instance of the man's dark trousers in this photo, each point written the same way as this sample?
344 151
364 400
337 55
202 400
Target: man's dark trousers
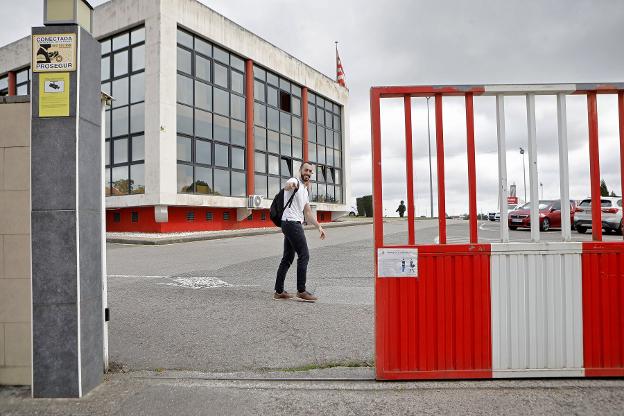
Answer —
294 241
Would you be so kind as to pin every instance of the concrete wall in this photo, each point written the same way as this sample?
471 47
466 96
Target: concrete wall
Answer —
15 280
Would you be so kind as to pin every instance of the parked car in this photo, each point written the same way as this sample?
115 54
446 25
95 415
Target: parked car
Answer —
611 208
495 216
353 212
549 215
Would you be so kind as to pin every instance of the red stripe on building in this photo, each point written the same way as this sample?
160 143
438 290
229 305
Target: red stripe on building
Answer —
249 113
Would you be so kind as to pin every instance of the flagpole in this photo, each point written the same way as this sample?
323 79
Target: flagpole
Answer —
336 42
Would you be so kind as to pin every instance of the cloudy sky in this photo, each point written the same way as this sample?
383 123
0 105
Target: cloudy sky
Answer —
446 42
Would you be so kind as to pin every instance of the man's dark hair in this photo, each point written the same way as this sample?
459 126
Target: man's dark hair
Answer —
308 162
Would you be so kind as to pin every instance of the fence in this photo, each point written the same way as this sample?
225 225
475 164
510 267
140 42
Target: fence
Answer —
538 309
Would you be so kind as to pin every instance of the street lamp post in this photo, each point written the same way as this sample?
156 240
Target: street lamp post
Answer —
430 174
523 174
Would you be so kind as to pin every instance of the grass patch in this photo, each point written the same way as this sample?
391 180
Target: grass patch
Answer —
331 364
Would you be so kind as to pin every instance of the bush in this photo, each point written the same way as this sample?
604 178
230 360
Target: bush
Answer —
365 206
368 205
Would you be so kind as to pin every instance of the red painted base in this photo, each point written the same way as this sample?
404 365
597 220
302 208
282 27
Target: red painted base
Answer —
434 375
183 219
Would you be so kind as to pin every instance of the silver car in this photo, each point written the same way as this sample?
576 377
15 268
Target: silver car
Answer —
611 208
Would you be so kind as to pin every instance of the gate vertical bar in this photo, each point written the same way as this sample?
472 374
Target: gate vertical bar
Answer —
502 167
564 173
376 156
472 170
533 179
409 167
594 166
440 162
621 118
377 225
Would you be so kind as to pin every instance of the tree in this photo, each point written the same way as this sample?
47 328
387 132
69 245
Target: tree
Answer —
604 191
612 193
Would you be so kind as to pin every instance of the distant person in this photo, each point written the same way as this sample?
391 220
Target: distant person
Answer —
401 209
294 236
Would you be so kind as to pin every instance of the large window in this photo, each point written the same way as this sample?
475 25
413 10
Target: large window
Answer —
325 148
211 136
4 85
277 131
22 82
123 77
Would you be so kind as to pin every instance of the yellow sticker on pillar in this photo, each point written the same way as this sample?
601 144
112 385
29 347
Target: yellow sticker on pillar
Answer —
54 94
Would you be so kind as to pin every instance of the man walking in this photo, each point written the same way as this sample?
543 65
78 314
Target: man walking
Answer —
294 236
401 209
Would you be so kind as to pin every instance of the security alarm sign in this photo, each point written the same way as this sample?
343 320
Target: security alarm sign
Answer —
397 262
54 52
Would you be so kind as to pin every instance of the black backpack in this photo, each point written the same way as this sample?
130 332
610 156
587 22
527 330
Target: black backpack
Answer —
278 207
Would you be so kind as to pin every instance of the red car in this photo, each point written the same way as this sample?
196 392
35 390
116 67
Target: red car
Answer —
549 215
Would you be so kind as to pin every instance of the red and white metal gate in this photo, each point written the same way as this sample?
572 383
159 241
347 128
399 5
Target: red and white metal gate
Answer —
538 309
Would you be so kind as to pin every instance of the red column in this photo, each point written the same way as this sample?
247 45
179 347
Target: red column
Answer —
594 166
440 161
304 120
376 159
409 168
472 169
249 113
621 113
12 82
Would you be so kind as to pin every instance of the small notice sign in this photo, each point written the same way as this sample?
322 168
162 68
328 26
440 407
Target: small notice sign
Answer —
54 52
397 262
54 95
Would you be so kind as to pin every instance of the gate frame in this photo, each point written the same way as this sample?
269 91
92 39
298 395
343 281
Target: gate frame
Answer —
499 91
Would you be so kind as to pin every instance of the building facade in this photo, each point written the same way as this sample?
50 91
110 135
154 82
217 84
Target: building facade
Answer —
205 114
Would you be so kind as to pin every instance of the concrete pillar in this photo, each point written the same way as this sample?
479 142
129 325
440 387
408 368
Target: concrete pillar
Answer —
66 172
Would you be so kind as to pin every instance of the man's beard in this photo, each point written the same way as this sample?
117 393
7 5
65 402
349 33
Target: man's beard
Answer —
305 177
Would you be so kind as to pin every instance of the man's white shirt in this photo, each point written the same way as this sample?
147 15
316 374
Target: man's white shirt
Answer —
295 211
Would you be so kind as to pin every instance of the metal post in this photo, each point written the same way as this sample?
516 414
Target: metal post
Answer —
376 158
594 166
564 176
621 119
523 174
502 167
430 171
440 162
472 170
409 167
533 180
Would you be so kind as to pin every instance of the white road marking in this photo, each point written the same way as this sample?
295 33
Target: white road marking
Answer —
136 276
191 282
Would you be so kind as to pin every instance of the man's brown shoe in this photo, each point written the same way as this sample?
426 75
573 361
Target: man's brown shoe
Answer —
282 296
306 297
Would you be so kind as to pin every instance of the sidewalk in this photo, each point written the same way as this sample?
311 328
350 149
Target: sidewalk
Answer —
185 237
335 391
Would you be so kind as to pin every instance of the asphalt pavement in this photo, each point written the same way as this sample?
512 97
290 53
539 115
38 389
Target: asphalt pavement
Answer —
194 330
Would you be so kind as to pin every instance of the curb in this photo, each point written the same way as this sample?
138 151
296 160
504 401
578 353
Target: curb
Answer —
217 236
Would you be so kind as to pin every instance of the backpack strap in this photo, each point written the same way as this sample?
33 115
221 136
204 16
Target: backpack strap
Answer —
290 200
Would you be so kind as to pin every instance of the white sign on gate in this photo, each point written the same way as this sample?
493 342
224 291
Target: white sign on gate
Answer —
397 262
